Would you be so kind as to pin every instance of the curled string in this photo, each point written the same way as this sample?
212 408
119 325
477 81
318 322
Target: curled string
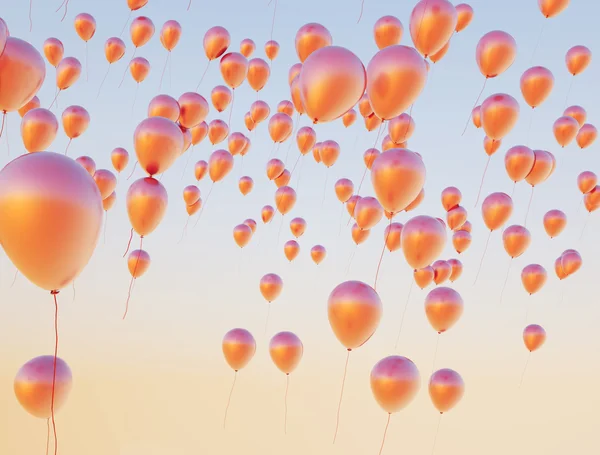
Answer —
229 399
482 257
404 313
436 434
203 74
287 386
528 206
137 260
385 433
382 253
133 170
129 242
65 3
337 424
482 180
524 370
474 106
54 370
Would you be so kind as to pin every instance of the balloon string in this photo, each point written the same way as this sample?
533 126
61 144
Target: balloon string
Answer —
530 124
299 176
68 145
295 164
528 206
273 21
102 83
362 5
7 139
268 317
296 124
337 424
569 91
74 291
537 44
506 279
385 433
54 370
381 257
404 314
87 71
325 187
229 400
133 170
15 278
287 386
340 221
137 260
30 21
189 5
437 344
61 5
162 75
170 70
127 22
279 232
524 370
231 110
3 121
584 226
129 242
187 162
437 431
184 229
48 436
205 203
482 257
366 169
203 74
66 9
482 180
474 106
513 190
55 99
127 67
137 87
351 259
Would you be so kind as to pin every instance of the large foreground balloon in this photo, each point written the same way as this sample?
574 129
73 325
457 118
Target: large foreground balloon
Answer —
50 217
38 129
395 382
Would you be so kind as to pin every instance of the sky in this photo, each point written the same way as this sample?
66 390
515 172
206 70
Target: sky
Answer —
157 382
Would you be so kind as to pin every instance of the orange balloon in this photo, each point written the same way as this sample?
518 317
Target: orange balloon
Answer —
194 208
318 253
134 5
451 198
106 182
242 235
587 181
344 188
495 53
267 213
565 129
351 204
364 106
392 236
578 113
329 152
199 132
291 250
187 138
395 382
414 204
401 128
54 51
114 49
271 286
275 168
349 118
258 73
446 389
164 106
457 269
496 210
280 127
236 143
108 202
516 240
193 109
247 47
317 152
467 227
476 116
141 30
591 200
50 217
536 85
432 24
543 166
158 142
587 135
283 179
200 170
578 59
464 15
286 107
138 263
311 37
372 122
519 161
570 261
217 131
147 203
296 95
491 146
555 222
285 199
75 120
396 78
191 194
443 307
139 68
34 103
551 8
440 54
560 273
461 240
499 114
220 97
398 176
216 41
534 337
294 72
533 278
306 139
38 129
245 185
170 34
286 351
388 31
456 217
388 144
88 164
238 348
359 235
423 240
234 68
260 111
368 212
441 271
220 164
85 26
271 49
424 276
67 72
298 226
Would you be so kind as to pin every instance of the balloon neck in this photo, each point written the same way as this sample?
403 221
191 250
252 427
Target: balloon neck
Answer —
287 374
441 413
54 292
349 350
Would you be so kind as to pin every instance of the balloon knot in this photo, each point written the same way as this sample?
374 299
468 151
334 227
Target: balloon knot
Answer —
349 350
54 292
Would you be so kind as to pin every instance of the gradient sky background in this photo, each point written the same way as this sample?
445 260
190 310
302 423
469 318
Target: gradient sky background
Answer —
157 383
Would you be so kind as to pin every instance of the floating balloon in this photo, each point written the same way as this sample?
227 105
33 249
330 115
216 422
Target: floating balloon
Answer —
106 182
88 164
147 203
164 106
283 179
519 161
543 166
446 389
271 49
285 199
533 277
139 68
258 73
247 47
220 164
393 236
440 54
193 109
158 142
432 24
461 240
75 120
85 26
495 53
443 307
499 114
349 118
587 181
242 235
220 97
318 253
280 127
329 152
267 213
536 84
423 240
516 240
109 202
170 34
217 131
310 38
67 72
456 217
138 263
191 194
141 30
38 129
534 337
578 59
395 382
578 113
441 271
387 31
464 15
496 210
555 222
33 103
291 249
216 41
401 128
344 188
457 269
286 351
234 68
451 198
298 227
476 116
565 129
359 235
271 286
306 139
368 212
238 347
587 135
114 49
200 169
571 262
552 8
54 51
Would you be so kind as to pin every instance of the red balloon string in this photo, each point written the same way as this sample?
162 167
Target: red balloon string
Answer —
436 433
524 370
68 145
54 369
506 279
474 106
129 242
48 436
528 206
362 5
482 257
482 180
188 161
133 170
381 257
513 190
412 282
537 44
279 232
127 22
30 21
337 424
229 399
61 5
340 221
287 386
203 74
296 125
137 260
385 433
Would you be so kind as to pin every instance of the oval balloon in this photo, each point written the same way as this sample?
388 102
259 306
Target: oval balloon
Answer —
443 307
395 382
446 388
286 351
238 347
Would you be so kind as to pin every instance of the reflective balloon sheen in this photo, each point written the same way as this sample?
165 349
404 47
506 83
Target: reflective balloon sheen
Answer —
220 164
238 347
516 240
368 212
457 269
194 208
332 81
67 72
432 24
329 152
109 202
220 97
234 68
392 236
259 111
446 388
423 277
291 249
105 181
499 114
193 109
578 59
75 120
344 188
53 50
38 129
349 118
217 131
423 240
306 139
247 47
50 217
396 77
114 49
451 197
236 143
519 161
372 122
533 277
242 235
88 164
464 14
495 53
443 307
542 168
286 351
496 210
387 31
534 337
85 26
216 41
258 73
587 181
200 169
456 217
158 142
138 263
134 5
552 8
267 213
578 113
536 84
33 385
395 382
251 224
141 30
199 132
587 135
354 311
34 103
461 240
285 199
571 262
147 203
555 222
170 33
164 106
280 127
414 204
491 146
298 227
311 37
271 286
441 271
565 129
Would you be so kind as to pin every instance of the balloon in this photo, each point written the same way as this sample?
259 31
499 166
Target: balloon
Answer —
519 161
280 127
577 59
461 240
555 222
424 276
285 199
392 236
114 49
372 122
551 8
534 337
329 153
199 132
499 114
318 253
108 202
271 49
467 227
298 226
33 385
496 210
516 240
275 168
22 71
106 182
542 167
565 129
193 109
283 179
591 200
85 26
536 84
387 31
432 24
395 382
317 152
258 73
200 169
141 30
164 106
50 217
368 212
587 135
220 164
401 128
294 72
364 106
34 103
570 262
587 181
191 194
53 50
134 5
286 351
220 97
267 213
560 273
456 217
158 142
446 388
491 146
38 129
291 250
311 37
67 72
271 286
238 348
147 203
578 113
351 204
443 307
251 224
242 235
247 47
423 240
217 131
396 76
306 139
440 54
234 68
441 271
464 15
533 277
476 116
259 111
138 263
170 33
451 197
139 68
359 235
88 164
495 53
236 143
457 269
414 204
216 41
194 208
349 118
297 96
354 310
344 189
75 120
